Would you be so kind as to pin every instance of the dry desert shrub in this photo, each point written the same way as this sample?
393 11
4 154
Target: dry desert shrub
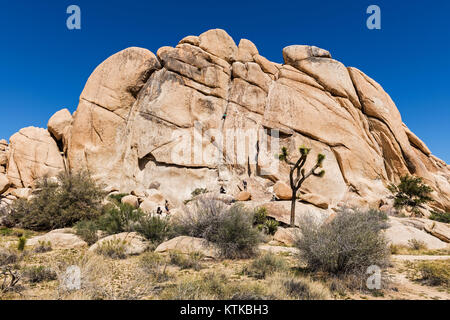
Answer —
265 265
229 228
97 281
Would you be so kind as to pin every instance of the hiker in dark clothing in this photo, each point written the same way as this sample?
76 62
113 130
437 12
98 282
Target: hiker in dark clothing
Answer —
159 211
222 190
245 185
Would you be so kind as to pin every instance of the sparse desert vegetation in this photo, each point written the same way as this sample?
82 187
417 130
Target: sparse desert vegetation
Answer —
119 258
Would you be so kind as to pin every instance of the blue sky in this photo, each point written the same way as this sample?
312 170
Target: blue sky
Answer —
45 66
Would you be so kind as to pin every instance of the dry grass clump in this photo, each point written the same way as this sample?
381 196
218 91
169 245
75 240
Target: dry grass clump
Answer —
99 281
114 249
433 273
265 265
8 256
212 286
422 251
42 247
187 261
36 274
154 265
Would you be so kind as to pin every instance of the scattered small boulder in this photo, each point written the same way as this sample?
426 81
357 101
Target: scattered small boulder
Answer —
131 200
155 196
134 243
282 191
315 199
286 236
185 244
21 193
244 196
60 123
59 239
149 207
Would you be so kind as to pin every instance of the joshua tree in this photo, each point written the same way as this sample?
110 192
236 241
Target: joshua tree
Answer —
411 193
298 175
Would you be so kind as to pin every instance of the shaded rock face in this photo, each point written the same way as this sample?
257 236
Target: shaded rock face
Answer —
140 116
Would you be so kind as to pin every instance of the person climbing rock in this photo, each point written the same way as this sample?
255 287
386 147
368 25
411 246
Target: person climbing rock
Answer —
222 190
245 185
224 116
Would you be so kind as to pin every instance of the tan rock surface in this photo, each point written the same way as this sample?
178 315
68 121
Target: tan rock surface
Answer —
21 193
287 236
131 200
133 243
33 155
184 244
401 232
282 191
60 123
4 183
59 239
244 196
139 122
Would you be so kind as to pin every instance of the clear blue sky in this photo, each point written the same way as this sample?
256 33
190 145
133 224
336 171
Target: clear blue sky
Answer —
44 66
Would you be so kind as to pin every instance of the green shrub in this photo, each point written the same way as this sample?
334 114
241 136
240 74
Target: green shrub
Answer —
349 244
230 229
440 216
21 243
411 192
59 204
116 198
4 231
37 274
121 218
87 230
265 265
271 226
260 216
154 228
187 261
435 273
114 248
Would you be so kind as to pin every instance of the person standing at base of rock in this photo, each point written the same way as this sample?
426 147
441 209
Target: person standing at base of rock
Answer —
159 211
167 207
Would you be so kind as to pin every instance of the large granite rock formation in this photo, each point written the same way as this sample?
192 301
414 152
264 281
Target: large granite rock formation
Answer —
141 118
